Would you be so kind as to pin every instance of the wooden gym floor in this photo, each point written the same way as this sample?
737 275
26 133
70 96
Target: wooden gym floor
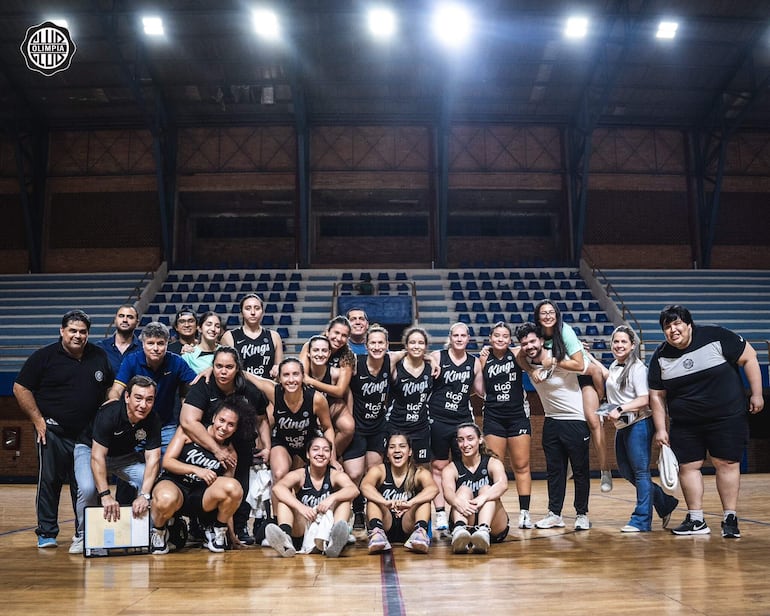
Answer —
600 571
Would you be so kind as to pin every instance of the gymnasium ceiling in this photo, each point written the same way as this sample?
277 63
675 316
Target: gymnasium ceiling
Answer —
211 70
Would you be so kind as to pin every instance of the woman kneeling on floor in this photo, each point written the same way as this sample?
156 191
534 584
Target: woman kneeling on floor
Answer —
313 506
473 487
398 495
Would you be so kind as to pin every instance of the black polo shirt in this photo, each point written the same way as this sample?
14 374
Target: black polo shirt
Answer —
66 389
113 430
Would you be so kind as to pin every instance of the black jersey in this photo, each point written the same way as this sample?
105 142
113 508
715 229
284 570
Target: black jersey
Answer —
370 392
257 354
450 401
392 492
409 404
309 495
294 428
474 480
199 456
504 395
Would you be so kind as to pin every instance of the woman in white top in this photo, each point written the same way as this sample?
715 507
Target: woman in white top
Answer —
627 388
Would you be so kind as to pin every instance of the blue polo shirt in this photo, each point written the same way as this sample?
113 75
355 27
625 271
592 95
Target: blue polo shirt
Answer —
172 373
114 354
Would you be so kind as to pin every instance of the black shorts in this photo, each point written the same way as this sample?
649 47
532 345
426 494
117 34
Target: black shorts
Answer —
293 451
500 537
443 439
507 427
192 499
724 438
362 443
396 532
585 380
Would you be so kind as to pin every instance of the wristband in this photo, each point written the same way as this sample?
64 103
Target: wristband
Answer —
104 493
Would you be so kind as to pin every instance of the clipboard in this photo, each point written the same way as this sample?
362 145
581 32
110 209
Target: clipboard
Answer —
128 535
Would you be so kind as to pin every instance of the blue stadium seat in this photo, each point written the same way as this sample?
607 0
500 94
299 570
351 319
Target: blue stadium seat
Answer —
495 307
562 307
293 286
264 277
533 284
455 286
528 307
187 278
516 318
192 298
599 345
497 317
183 287
506 296
347 276
584 317
518 285
453 276
233 277
247 287
538 296
401 276
568 317
167 288
578 307
261 287
268 320
208 298
403 289
383 288
471 285
586 296
549 285
545 275
608 329
198 288
592 330
283 332
160 298
484 331
490 296
554 296
172 278
474 296
484 276
285 319
145 320
230 288
523 296
601 318
564 285
469 276
511 307
461 307
169 309
482 317
290 297
559 275
458 296
477 307
594 307
225 298
203 308
153 309
288 307
295 277
271 309
280 276
498 276
529 275
274 297
487 285
278 286
220 309
464 318
576 329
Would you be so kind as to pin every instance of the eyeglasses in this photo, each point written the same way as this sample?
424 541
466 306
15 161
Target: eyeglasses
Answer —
547 313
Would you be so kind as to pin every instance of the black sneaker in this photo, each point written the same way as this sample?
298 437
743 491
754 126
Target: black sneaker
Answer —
691 527
245 537
730 528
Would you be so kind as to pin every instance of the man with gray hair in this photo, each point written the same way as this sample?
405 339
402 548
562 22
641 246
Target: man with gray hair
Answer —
169 371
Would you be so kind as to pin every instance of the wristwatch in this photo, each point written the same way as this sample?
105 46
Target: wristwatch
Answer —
145 495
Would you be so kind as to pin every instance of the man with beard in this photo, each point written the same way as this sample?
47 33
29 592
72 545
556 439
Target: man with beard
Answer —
124 340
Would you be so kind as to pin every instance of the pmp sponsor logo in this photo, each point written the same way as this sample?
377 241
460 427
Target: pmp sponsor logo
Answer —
48 48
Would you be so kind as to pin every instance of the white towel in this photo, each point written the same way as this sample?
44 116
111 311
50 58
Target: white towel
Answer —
317 533
668 467
260 481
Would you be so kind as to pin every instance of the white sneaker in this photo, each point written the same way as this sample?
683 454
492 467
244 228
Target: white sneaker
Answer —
279 541
524 520
159 541
480 540
442 520
338 539
76 547
461 539
581 522
606 481
216 538
550 521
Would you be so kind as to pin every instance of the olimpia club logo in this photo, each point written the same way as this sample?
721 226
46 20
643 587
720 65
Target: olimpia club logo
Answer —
48 48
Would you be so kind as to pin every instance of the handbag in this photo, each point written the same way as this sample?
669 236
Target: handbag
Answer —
668 467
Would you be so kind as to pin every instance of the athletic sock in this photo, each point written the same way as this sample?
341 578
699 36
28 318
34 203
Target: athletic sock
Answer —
729 512
375 523
524 502
458 523
286 528
438 509
421 524
218 524
696 514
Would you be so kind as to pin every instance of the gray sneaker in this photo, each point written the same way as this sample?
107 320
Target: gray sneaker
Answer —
279 541
76 547
480 540
338 539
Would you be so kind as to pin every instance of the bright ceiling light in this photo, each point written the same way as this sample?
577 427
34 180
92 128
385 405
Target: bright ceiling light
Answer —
266 24
667 30
382 22
153 26
452 25
577 27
